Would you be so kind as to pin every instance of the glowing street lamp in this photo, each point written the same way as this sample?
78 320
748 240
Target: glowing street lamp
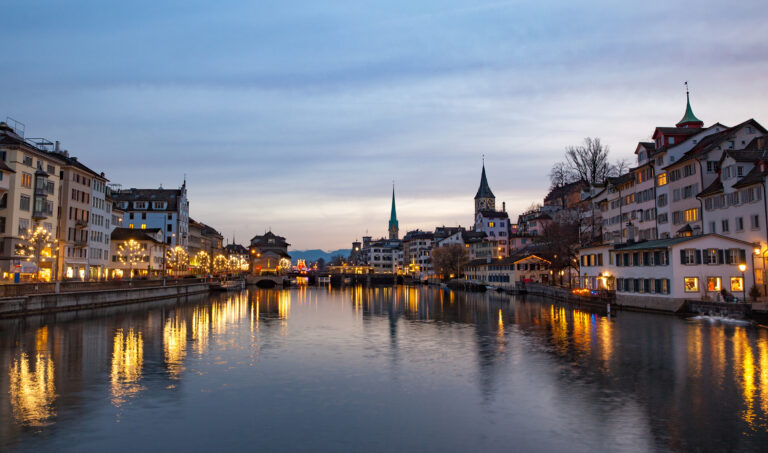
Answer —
742 268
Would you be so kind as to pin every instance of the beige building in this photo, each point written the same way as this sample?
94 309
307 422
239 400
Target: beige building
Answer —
152 248
32 200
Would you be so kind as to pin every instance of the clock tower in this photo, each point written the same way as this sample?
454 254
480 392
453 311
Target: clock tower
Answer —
484 200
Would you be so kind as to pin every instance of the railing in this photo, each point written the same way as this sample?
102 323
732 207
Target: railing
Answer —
24 289
81 223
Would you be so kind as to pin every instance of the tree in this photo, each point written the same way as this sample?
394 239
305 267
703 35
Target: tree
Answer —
450 260
284 264
177 260
320 263
337 260
562 242
36 246
560 175
203 261
588 162
131 252
220 264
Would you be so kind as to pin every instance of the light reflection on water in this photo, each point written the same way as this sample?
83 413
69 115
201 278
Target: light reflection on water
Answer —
655 382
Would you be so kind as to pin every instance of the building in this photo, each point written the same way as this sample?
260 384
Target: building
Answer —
494 224
30 199
506 272
167 209
386 256
417 252
152 253
663 273
269 253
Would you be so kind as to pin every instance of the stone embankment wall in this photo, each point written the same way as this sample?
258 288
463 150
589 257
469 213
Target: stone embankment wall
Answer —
35 303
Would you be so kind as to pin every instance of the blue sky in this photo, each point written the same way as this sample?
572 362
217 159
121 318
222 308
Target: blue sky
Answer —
297 115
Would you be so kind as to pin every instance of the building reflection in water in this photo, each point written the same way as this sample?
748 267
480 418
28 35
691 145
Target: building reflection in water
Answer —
32 388
127 363
175 345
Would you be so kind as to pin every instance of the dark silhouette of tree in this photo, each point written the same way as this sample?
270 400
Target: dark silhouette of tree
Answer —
449 260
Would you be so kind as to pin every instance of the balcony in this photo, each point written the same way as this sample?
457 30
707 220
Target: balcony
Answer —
39 215
81 223
81 242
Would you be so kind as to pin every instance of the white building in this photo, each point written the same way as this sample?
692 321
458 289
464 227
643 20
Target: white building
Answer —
167 209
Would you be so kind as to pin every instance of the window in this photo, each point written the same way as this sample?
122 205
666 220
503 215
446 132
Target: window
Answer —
713 166
23 225
740 171
755 221
690 256
27 160
691 284
130 225
26 180
725 228
143 226
491 224
24 203
737 284
691 215
713 284
739 223
712 227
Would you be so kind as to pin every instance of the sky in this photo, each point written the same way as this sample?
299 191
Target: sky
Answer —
296 116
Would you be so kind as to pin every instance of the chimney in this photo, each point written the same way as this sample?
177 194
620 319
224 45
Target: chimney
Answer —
503 206
58 146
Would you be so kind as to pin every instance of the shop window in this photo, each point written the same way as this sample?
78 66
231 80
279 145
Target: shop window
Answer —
737 284
714 284
691 284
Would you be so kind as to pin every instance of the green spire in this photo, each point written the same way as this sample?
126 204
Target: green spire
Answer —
689 117
393 214
484 191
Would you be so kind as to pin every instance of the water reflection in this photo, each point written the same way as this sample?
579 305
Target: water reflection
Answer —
32 389
127 362
691 385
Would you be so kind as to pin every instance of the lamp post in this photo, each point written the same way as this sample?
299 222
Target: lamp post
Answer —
742 268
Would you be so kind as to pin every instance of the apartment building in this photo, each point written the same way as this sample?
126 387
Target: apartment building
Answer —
167 209
31 200
417 252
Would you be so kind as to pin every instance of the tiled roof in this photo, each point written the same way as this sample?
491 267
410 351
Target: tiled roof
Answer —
755 176
124 234
170 196
715 187
488 214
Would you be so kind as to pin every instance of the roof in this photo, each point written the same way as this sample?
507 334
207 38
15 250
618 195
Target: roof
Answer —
484 191
676 131
488 214
263 240
712 141
755 176
393 213
472 236
512 259
125 234
236 249
418 234
664 243
5 168
714 188
689 117
170 196
565 190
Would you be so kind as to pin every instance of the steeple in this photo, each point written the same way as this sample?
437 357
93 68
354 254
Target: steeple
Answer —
394 228
484 199
689 119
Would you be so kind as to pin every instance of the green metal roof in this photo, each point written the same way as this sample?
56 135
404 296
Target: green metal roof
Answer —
484 191
393 214
689 117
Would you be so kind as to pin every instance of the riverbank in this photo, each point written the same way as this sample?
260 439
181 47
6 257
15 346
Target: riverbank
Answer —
43 298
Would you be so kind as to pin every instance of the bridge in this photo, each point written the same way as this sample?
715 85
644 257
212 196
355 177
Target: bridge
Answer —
265 281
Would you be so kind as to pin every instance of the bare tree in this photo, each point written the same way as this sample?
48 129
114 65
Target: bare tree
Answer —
560 175
589 162
562 241
619 168
450 260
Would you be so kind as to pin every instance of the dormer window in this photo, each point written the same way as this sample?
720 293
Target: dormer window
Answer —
730 144
140 205
159 205
123 205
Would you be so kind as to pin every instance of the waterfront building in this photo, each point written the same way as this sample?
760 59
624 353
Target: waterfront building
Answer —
84 221
30 199
663 273
197 242
267 253
386 256
213 239
417 252
167 209
506 272
152 252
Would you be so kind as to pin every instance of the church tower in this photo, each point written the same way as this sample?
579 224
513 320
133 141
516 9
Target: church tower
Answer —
394 230
484 200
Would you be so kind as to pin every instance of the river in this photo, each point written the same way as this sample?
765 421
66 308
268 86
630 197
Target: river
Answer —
379 369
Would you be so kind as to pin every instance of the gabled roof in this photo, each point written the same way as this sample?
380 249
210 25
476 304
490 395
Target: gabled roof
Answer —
170 196
755 176
125 234
664 243
650 147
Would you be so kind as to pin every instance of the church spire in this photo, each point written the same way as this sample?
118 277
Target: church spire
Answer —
393 224
485 200
689 119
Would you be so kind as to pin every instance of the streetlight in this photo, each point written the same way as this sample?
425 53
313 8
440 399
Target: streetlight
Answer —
742 268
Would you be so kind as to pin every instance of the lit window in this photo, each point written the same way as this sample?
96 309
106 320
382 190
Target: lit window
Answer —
691 215
661 180
737 284
143 226
713 283
691 284
490 224
130 225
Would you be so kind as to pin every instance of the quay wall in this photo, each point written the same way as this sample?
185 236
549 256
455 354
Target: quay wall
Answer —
53 302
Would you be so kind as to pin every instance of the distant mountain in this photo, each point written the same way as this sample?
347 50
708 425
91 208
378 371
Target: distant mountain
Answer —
310 256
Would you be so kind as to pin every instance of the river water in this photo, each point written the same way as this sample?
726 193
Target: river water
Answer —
382 369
